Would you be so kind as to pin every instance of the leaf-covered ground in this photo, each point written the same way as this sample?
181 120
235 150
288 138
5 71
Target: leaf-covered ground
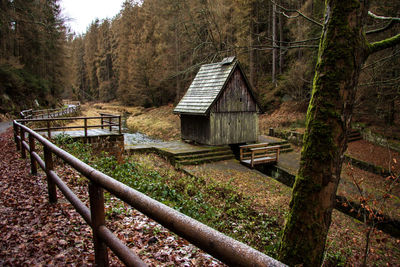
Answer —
34 232
37 233
377 155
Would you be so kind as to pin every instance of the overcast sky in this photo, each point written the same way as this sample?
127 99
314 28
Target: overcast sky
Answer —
83 12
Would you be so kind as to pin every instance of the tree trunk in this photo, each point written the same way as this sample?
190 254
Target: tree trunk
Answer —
251 51
177 62
274 45
280 44
342 51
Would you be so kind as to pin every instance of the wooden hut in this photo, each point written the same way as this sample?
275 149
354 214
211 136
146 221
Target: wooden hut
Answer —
219 108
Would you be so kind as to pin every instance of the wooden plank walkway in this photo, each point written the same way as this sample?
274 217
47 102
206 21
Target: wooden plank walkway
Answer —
261 153
81 134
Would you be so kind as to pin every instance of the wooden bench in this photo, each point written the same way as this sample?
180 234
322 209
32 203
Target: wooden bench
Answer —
258 153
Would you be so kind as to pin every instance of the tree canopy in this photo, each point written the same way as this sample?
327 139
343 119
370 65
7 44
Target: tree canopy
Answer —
31 53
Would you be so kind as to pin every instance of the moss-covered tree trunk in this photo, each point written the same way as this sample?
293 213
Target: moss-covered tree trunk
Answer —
342 51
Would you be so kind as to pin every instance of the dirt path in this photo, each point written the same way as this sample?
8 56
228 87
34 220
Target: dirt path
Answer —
37 233
4 126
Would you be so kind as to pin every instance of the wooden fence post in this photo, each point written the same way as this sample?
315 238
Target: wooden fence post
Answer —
109 121
96 197
48 129
51 186
86 131
271 132
31 150
22 137
16 136
102 121
119 124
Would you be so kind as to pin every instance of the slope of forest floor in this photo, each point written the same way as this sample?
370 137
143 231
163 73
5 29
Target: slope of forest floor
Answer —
346 240
162 124
37 233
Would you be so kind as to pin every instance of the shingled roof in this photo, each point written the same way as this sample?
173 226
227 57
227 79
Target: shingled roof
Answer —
206 87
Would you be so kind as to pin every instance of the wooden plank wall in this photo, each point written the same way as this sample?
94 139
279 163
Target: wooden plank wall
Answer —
233 118
195 127
233 128
236 96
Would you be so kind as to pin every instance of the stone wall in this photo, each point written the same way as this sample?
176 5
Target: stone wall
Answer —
113 144
293 137
379 139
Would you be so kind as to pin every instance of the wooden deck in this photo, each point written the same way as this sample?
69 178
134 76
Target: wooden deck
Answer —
81 134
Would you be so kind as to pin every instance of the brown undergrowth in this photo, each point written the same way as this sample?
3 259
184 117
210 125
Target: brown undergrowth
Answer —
37 233
346 238
377 155
158 123
289 115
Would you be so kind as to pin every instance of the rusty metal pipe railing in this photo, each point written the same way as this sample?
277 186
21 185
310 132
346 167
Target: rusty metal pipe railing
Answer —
26 145
71 127
72 198
65 119
122 251
104 123
39 160
224 248
30 113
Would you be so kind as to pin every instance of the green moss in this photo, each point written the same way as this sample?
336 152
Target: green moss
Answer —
335 72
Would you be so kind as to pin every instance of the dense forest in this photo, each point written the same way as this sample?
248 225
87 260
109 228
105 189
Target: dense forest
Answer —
148 53
32 55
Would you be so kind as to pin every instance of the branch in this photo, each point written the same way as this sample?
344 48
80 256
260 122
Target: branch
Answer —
266 47
381 45
289 17
388 26
298 12
295 42
385 82
382 17
380 60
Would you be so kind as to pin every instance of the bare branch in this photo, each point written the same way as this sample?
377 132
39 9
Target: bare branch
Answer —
266 47
380 60
384 82
382 17
298 12
387 27
289 17
296 42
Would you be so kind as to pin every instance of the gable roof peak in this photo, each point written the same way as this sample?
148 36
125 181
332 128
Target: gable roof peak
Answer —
207 86
228 60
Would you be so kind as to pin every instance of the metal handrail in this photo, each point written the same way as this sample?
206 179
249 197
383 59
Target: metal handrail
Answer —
109 123
30 113
222 247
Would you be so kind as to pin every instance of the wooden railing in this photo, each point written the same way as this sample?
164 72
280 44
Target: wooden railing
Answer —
258 154
50 113
71 102
108 121
224 248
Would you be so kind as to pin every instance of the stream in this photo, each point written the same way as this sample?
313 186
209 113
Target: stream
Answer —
138 138
135 138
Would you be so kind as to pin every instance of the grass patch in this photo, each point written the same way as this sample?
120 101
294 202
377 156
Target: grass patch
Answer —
234 204
216 204
158 123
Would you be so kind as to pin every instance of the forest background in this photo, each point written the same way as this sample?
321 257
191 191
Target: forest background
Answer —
148 54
